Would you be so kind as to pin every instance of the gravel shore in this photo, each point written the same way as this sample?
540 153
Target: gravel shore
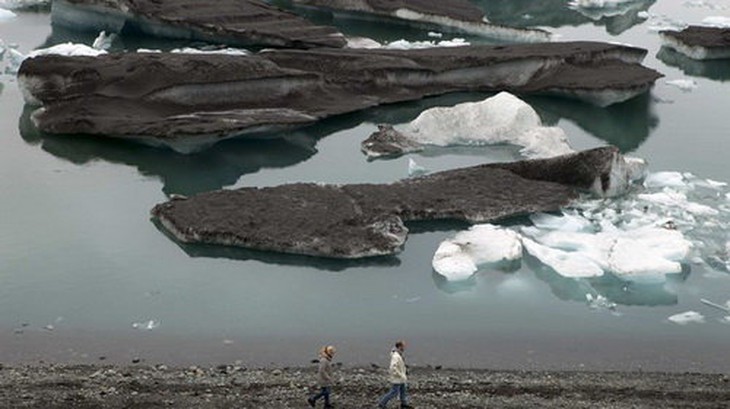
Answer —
142 386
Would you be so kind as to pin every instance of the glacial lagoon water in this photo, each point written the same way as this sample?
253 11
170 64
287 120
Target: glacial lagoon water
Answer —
85 273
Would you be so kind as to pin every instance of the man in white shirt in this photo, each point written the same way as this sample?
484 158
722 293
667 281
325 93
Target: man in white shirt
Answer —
397 377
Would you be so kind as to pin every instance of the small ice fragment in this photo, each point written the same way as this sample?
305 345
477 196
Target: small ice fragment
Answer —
716 21
565 222
227 342
103 41
148 325
664 179
685 85
413 299
434 34
415 169
643 14
600 302
687 317
49 327
712 304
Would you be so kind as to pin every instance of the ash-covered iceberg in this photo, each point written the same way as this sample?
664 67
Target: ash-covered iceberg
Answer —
699 42
362 220
189 101
233 22
455 15
501 119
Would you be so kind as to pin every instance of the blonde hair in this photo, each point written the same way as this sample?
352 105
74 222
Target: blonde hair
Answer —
328 350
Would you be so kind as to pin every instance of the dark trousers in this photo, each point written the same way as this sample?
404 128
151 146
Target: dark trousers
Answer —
324 392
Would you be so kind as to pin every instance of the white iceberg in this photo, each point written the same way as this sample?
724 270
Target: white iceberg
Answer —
415 169
6 14
414 45
687 318
103 41
644 254
665 179
459 258
501 119
685 85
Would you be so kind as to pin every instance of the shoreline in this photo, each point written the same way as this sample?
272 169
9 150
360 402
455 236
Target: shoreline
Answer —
224 386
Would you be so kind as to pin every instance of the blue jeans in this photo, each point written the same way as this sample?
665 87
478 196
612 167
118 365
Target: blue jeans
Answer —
397 389
325 391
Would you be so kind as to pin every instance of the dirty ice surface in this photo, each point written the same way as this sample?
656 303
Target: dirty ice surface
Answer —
655 229
501 119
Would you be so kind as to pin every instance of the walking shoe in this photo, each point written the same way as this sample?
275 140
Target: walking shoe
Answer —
310 401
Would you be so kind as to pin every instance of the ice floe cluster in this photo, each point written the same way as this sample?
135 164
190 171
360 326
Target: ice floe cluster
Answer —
656 229
501 119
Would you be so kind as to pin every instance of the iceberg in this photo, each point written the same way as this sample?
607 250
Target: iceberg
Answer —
363 220
501 119
459 257
415 169
188 109
699 42
566 263
68 50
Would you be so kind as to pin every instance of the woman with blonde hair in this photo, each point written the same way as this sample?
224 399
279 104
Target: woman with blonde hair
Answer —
324 376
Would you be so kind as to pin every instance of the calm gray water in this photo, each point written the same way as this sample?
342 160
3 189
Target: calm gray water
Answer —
81 262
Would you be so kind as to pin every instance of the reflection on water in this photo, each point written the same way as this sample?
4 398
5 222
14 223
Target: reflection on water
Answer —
556 13
626 125
219 166
718 70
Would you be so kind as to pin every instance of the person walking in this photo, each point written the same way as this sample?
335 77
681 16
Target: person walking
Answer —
324 377
397 377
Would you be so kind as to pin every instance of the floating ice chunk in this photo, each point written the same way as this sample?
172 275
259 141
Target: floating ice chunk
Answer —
665 179
567 264
600 302
643 254
566 222
459 258
13 60
716 21
672 198
415 169
643 14
435 34
147 325
685 85
6 14
687 317
103 41
68 49
500 119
